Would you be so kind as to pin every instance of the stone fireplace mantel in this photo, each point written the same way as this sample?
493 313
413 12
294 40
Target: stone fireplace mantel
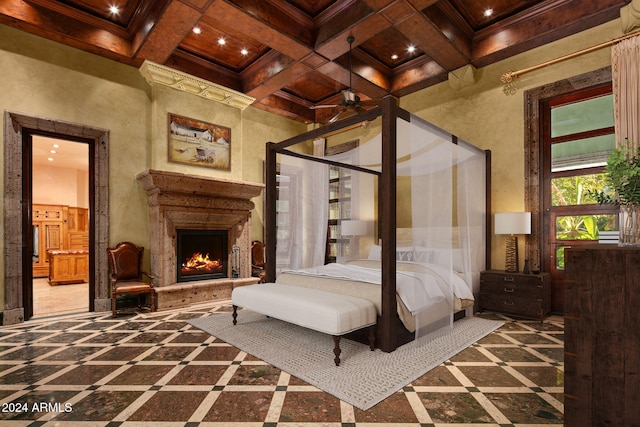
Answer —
182 201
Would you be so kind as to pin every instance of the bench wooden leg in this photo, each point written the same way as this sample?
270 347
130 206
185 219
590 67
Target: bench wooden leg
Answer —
336 349
235 314
372 337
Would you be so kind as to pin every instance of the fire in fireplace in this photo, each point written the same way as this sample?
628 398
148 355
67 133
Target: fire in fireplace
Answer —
201 254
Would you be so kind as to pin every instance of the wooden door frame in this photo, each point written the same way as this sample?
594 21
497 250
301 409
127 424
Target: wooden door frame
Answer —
17 209
534 244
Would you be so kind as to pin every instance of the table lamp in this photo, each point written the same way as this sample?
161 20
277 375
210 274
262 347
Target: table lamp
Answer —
353 227
512 224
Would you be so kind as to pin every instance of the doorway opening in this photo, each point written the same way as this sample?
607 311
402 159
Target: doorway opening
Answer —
17 208
60 225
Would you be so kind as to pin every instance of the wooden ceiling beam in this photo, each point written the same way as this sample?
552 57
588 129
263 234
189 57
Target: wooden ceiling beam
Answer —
265 32
285 107
360 84
62 26
194 65
270 74
524 31
417 75
359 21
446 46
162 39
277 69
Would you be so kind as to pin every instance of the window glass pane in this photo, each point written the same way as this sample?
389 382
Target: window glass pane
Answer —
582 153
560 257
334 210
583 227
334 172
574 190
334 190
596 113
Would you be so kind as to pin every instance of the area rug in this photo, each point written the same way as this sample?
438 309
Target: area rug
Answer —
364 377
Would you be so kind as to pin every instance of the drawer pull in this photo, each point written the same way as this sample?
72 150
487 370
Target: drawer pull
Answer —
510 290
508 302
508 279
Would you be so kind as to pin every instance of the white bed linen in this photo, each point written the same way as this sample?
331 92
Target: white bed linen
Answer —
418 291
463 297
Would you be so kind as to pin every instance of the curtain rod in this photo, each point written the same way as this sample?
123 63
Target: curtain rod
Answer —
508 78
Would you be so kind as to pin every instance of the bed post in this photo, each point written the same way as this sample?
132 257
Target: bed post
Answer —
487 212
270 213
387 218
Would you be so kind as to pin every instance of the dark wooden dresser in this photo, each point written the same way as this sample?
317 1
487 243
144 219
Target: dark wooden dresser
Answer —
602 336
527 295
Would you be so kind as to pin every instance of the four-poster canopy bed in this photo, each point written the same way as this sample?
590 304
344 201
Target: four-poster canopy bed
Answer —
426 194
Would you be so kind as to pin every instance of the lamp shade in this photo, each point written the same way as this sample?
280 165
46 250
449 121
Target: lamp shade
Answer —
513 223
353 227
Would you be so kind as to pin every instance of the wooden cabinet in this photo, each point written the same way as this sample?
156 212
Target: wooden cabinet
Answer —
48 230
57 227
602 336
527 295
68 266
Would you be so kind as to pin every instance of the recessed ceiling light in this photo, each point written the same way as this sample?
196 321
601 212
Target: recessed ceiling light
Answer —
53 151
50 159
244 52
115 10
411 49
394 56
56 146
197 30
221 41
488 12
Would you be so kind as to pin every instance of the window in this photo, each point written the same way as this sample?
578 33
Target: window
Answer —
578 131
340 182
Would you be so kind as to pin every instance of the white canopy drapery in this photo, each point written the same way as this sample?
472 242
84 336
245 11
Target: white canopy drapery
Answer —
440 205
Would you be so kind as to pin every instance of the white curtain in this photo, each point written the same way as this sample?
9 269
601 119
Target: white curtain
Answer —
302 214
625 61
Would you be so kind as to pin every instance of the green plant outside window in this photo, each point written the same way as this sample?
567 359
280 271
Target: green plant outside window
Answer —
576 190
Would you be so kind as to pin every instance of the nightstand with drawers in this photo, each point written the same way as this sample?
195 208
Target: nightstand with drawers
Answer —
526 295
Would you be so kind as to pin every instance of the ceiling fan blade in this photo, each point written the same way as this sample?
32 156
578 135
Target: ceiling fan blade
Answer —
337 116
315 107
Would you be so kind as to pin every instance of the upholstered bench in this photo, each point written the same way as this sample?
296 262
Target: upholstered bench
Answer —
327 312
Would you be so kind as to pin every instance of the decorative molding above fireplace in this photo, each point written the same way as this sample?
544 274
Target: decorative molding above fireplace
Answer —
183 201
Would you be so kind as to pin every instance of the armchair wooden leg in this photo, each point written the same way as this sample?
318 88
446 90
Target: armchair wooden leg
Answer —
154 301
113 305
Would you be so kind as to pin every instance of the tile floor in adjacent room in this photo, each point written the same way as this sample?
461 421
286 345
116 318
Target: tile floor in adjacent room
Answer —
155 369
59 299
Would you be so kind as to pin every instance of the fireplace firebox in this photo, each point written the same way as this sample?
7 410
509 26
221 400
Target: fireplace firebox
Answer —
201 254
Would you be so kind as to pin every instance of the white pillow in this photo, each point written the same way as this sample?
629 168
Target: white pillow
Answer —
375 252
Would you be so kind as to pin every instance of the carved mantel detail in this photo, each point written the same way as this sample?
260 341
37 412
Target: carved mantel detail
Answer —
160 74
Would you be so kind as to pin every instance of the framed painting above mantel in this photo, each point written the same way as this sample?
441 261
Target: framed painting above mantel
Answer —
197 143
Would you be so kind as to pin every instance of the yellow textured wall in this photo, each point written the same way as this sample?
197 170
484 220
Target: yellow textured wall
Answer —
258 128
45 79
484 116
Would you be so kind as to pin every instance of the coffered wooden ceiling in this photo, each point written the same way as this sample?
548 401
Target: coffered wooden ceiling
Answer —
296 51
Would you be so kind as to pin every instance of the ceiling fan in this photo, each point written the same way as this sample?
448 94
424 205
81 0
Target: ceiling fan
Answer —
350 102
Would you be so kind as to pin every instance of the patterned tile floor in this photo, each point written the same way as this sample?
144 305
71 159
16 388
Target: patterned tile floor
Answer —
155 369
